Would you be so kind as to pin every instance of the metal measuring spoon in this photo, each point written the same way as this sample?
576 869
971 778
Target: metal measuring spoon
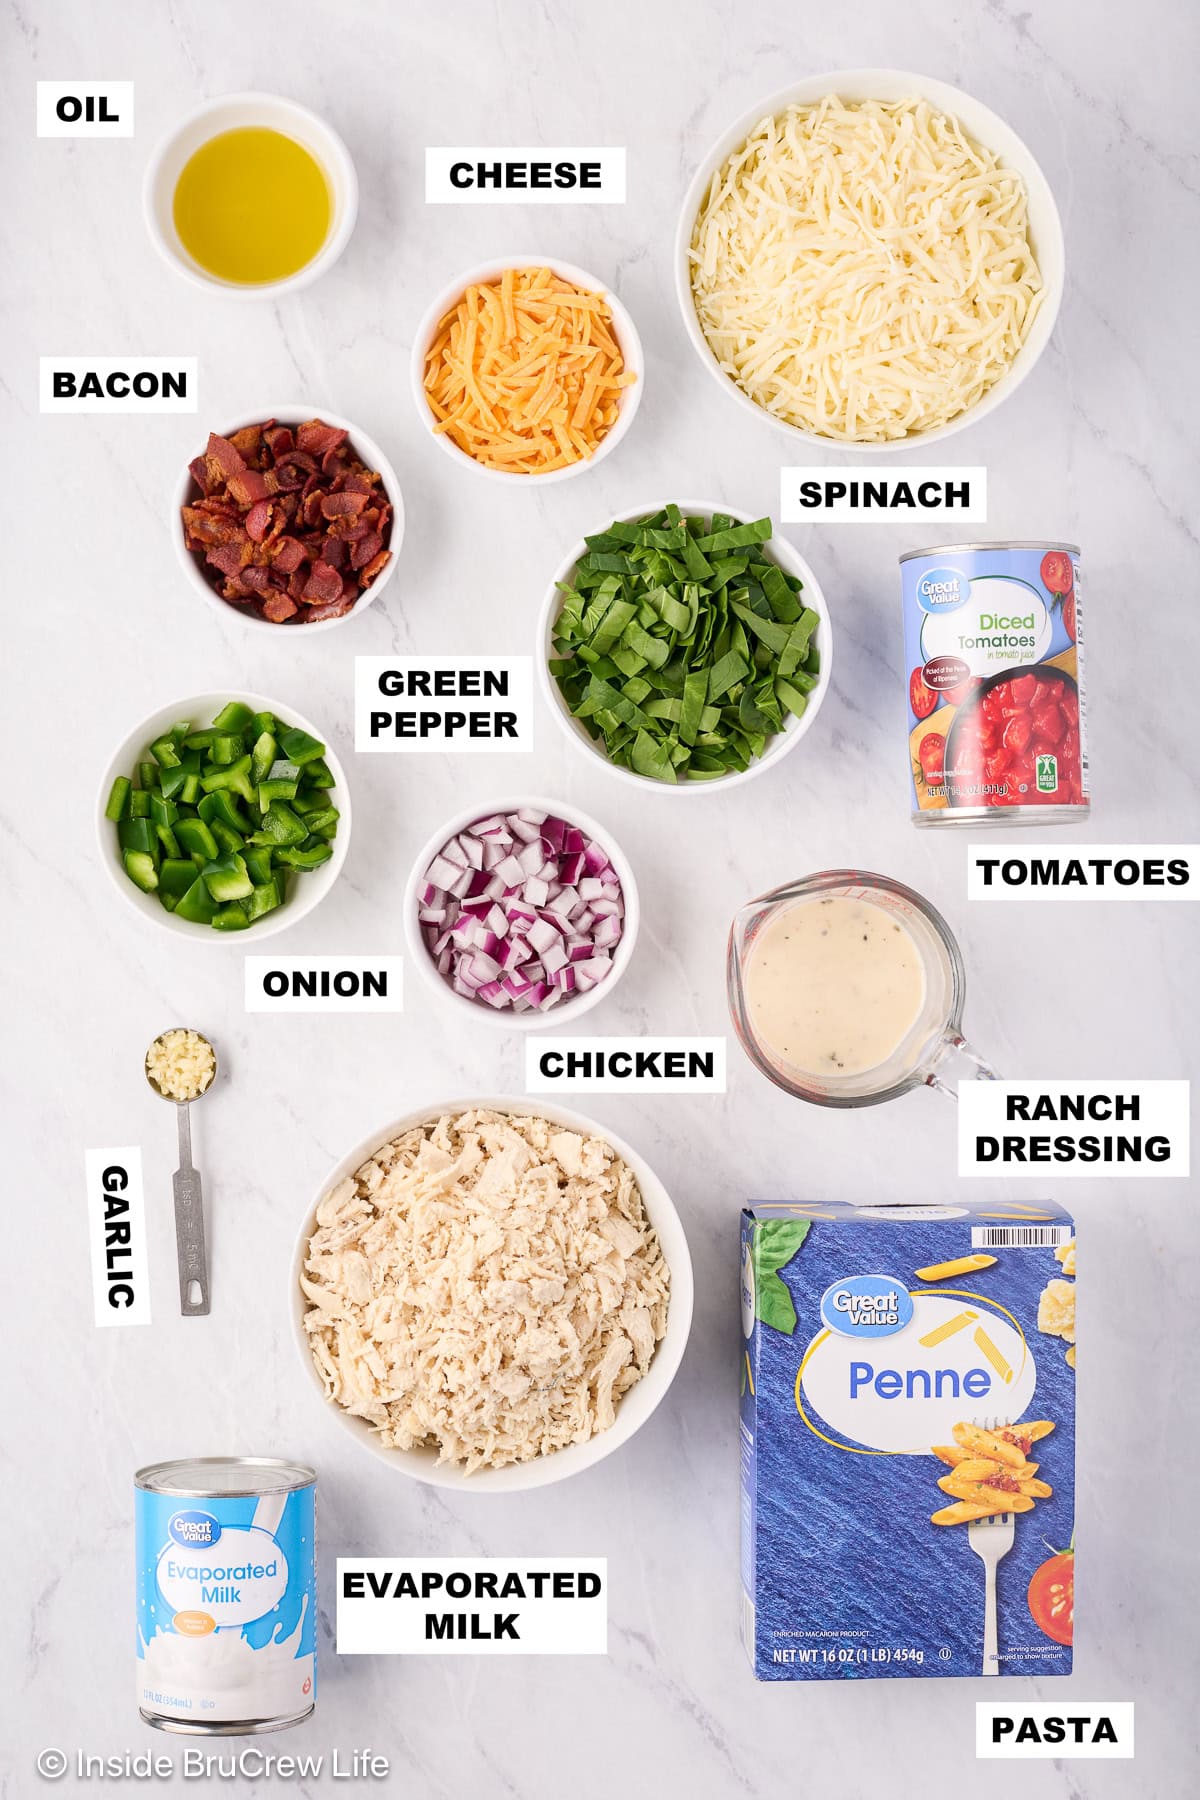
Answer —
189 1199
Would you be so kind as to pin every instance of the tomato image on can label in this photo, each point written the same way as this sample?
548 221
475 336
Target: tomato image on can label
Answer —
992 643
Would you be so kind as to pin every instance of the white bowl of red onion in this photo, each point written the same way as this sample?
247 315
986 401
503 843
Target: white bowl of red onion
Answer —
522 915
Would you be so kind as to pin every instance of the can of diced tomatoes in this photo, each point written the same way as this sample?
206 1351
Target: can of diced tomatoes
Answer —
993 649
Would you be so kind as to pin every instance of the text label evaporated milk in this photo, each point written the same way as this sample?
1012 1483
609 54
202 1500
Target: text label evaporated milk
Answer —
226 1594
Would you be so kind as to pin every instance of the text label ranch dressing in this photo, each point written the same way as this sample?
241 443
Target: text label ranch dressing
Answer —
834 985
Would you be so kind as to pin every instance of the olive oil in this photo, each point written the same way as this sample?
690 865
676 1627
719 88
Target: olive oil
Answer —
252 206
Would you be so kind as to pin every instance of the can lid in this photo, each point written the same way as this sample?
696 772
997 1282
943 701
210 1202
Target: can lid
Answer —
215 1477
998 544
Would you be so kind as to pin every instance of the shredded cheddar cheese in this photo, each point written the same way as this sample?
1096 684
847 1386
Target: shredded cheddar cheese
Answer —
863 270
525 374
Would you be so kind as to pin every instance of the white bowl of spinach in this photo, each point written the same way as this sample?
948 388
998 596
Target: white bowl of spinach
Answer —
685 645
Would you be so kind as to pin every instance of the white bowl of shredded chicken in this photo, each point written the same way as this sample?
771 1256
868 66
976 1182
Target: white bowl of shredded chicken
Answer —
870 259
492 1294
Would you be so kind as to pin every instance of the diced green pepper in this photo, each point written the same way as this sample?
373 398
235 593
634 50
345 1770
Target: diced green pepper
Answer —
309 857
298 747
222 805
234 717
228 878
227 747
262 756
264 899
176 875
226 837
197 839
197 904
162 810
139 804
280 825
236 777
323 824
141 870
148 775
118 799
318 774
230 918
137 834
167 839
165 752
272 790
189 793
258 860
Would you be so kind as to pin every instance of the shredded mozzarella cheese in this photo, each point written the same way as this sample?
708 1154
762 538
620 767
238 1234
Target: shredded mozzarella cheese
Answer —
864 270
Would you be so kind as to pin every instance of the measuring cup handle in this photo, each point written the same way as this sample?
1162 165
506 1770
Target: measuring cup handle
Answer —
945 1074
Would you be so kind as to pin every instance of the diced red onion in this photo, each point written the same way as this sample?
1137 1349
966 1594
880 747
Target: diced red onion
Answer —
521 911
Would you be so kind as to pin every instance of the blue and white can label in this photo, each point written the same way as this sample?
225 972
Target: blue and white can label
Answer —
226 1608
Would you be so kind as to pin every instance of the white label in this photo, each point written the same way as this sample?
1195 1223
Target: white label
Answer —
1020 1235
621 1065
823 496
471 176
117 1234
78 109
324 984
1063 1729
443 703
242 1577
472 1606
907 1389
1073 1128
1084 872
117 384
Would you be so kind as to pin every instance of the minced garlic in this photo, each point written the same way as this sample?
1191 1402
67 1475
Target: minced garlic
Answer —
181 1064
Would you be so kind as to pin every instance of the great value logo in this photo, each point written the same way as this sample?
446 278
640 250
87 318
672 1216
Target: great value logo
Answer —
867 1306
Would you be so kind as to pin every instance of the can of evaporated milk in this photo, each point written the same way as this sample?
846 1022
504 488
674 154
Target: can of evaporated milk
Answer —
993 649
226 1594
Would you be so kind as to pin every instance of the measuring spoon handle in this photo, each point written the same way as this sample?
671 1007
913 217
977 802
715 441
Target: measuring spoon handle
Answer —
189 1226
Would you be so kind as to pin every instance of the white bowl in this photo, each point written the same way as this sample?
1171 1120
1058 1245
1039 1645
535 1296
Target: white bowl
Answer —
987 130
477 1012
778 550
632 1411
307 890
234 112
368 451
624 331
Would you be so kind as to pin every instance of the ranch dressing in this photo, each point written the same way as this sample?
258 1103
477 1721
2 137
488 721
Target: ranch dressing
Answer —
834 985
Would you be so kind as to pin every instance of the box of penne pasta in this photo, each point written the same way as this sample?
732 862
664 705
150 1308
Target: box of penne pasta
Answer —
907 1440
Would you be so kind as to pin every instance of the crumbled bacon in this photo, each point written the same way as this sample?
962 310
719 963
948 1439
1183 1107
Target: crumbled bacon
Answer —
287 522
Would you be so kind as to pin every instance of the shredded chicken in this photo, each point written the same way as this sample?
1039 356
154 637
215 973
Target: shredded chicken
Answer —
488 1286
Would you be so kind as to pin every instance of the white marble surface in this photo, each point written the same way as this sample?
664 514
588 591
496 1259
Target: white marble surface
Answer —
99 629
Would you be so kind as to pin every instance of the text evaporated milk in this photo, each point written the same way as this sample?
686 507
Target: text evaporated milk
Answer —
226 1594
993 649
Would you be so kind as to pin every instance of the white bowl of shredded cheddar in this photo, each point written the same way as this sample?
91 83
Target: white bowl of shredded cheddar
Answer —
491 1295
527 368
869 259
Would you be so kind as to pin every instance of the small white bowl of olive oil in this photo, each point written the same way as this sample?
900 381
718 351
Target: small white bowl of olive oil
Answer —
252 195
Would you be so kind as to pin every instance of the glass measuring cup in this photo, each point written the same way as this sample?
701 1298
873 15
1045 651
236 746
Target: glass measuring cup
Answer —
933 1052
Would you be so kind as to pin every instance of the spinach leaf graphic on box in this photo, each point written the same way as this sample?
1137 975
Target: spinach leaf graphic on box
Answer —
776 1241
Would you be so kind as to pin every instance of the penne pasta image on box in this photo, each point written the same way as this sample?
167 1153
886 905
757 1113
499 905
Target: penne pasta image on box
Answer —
907 1440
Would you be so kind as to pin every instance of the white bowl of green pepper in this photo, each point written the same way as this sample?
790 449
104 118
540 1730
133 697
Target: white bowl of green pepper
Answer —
220 816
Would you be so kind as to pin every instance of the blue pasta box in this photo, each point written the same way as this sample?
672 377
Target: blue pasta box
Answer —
907 1440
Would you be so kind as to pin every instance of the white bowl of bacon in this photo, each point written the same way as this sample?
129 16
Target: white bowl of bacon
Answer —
522 915
309 538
